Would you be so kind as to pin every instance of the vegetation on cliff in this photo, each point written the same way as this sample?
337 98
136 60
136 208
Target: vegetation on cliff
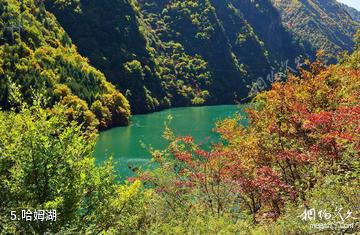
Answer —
177 53
38 57
326 24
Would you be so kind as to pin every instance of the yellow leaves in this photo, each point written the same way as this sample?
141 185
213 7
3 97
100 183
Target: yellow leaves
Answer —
320 54
62 90
128 206
357 38
168 132
56 203
127 193
229 128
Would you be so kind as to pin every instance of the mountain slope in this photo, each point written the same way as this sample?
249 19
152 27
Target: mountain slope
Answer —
355 14
178 53
324 23
111 35
38 62
195 26
161 54
235 27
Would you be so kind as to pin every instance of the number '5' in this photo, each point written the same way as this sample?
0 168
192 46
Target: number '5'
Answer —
13 215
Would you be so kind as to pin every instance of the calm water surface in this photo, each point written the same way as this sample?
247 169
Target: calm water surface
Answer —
126 144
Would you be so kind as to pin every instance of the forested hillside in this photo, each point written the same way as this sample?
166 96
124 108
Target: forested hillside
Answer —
176 53
355 14
293 170
326 24
289 165
158 54
38 62
111 34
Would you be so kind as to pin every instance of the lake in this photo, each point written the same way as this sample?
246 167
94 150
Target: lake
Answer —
126 144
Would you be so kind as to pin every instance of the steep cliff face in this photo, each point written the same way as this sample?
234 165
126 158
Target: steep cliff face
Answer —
195 25
324 23
230 35
266 21
174 53
110 33
249 51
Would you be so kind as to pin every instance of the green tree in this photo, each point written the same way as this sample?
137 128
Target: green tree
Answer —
47 163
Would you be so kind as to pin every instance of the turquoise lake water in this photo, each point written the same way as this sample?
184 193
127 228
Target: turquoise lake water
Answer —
126 144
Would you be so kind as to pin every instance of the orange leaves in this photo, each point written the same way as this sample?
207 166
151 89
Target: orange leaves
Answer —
230 128
314 120
184 157
299 132
269 183
307 121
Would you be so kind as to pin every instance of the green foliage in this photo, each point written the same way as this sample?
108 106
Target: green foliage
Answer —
186 78
46 163
112 35
158 53
299 153
38 57
178 53
332 194
325 24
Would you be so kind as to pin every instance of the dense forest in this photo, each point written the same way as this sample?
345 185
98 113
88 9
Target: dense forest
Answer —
161 54
69 68
327 24
39 62
178 53
300 151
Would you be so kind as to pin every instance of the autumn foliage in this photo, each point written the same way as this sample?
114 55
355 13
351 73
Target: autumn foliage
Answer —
300 132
